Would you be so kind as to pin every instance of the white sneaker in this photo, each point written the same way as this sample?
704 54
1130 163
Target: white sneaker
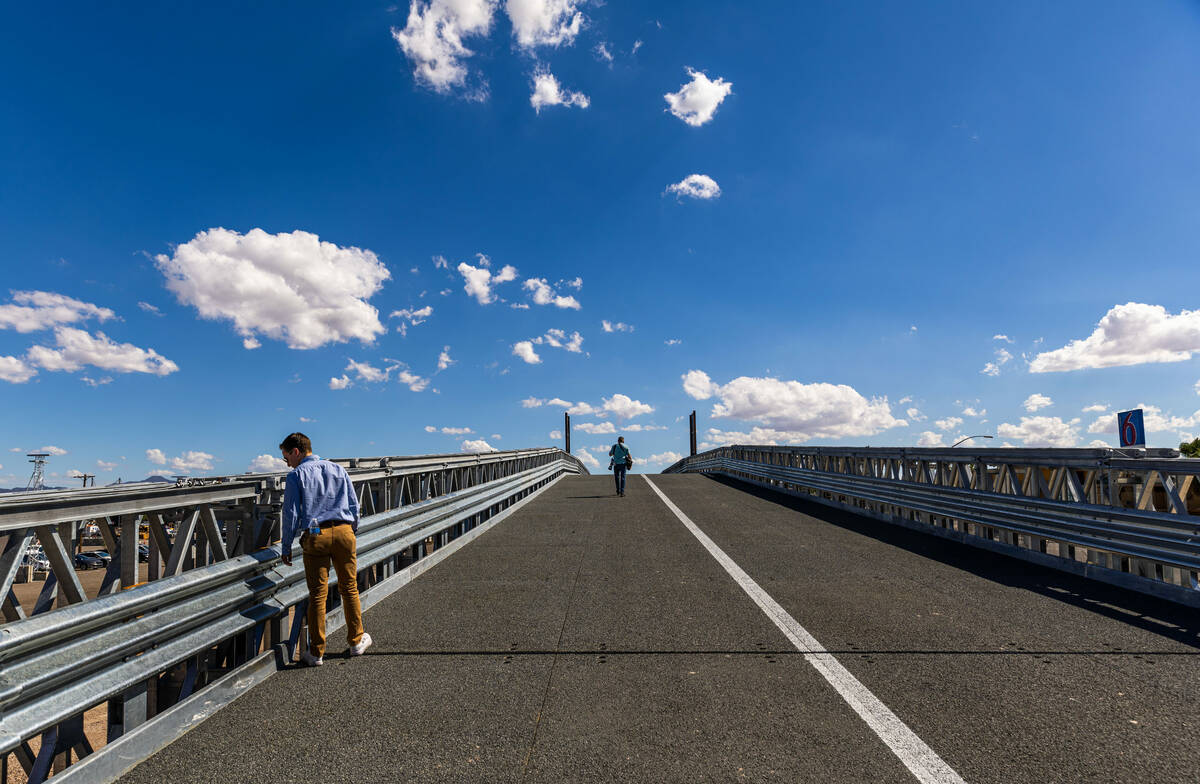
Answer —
363 644
308 660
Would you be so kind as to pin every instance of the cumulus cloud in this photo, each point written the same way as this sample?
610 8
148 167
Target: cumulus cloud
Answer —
31 311
1129 334
289 286
548 92
16 371
524 349
620 326
264 464
478 446
697 186
574 409
433 38
949 423
664 458
696 102
75 348
186 463
625 407
478 281
411 317
1037 401
794 412
586 457
412 381
595 428
915 415
1094 408
156 456
339 382
444 360
544 294
556 435
1042 431
544 22
1005 338
672 341
930 438
57 451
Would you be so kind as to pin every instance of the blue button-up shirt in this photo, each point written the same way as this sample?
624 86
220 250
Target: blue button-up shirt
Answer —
316 489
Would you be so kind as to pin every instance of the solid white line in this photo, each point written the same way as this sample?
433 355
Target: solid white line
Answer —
922 761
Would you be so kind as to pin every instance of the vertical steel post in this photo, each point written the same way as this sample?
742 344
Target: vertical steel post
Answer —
692 432
567 431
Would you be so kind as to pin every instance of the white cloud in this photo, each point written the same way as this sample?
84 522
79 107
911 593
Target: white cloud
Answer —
16 371
524 349
75 473
251 343
794 412
433 39
697 101
450 431
698 385
972 412
411 318
544 294
1037 401
430 429
930 438
544 22
697 186
444 360
478 446
307 419
96 382
75 348
1042 431
586 457
548 92
57 451
339 382
1098 444
602 52
664 458
412 381
1129 334
641 428
638 45
620 326
369 373
478 281
625 407
37 310
156 456
595 428
993 368
1005 338
1095 407
291 287
672 341
102 465
186 463
266 464
915 415
532 402
556 435
949 423
146 306
905 399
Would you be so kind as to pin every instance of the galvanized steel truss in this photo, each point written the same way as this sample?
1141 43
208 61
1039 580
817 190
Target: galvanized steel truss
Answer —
1132 521
217 596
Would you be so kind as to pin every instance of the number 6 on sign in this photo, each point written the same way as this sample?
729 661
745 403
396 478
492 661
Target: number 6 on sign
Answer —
1130 428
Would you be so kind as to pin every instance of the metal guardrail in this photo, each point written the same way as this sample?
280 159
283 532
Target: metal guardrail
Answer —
1129 521
135 653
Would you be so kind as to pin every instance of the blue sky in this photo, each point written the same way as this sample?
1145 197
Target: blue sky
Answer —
850 223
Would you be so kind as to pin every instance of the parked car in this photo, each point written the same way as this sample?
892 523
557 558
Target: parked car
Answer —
143 552
88 561
103 555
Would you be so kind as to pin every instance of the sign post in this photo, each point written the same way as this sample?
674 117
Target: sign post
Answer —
1130 428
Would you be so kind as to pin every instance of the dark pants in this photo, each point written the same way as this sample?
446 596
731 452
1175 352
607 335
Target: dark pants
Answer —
619 477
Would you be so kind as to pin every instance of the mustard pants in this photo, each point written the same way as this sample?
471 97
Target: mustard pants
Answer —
336 544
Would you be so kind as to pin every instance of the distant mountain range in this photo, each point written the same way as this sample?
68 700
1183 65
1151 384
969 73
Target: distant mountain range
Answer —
153 478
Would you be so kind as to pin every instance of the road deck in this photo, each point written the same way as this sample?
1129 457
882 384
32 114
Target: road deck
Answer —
593 638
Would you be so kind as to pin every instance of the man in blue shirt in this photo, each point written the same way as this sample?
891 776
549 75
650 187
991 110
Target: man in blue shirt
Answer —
320 505
620 462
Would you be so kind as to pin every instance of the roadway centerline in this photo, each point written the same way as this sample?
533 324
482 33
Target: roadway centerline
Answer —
916 755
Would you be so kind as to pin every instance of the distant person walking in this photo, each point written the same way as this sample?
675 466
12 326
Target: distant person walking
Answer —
621 462
319 504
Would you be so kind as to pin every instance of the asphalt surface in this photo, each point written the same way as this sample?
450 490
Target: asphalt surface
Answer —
592 638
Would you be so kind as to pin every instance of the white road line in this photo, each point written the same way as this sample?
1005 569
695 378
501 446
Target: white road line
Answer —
922 761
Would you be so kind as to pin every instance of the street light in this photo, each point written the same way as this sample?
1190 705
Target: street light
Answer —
968 438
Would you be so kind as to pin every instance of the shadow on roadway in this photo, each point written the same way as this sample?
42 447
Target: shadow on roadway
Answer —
1159 616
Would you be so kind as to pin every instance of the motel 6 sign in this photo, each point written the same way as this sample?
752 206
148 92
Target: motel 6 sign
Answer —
1130 428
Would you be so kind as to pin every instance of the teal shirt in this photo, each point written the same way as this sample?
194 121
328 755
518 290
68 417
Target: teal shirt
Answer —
618 453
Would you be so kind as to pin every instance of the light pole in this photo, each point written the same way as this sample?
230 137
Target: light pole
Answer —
968 438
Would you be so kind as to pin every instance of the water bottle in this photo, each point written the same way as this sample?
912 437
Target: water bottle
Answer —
314 528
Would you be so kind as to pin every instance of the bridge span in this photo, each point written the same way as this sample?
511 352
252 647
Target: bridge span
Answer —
595 638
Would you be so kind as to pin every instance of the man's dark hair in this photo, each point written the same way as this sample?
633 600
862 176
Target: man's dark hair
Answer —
296 441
